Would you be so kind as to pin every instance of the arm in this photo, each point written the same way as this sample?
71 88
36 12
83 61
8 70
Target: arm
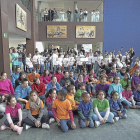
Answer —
43 91
8 117
40 114
20 114
133 86
107 113
81 115
54 112
57 87
90 114
71 116
98 114
29 115
11 88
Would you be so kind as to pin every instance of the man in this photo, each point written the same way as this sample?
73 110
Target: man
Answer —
53 84
32 75
39 87
66 77
22 93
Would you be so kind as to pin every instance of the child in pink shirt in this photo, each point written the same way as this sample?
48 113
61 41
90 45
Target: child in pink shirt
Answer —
13 115
46 77
58 74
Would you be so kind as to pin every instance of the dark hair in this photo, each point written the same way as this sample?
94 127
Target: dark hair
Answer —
58 69
127 86
35 79
90 75
23 80
62 92
2 73
103 71
110 77
84 93
99 92
65 71
36 51
50 92
21 73
116 77
44 73
52 77
112 93
80 85
17 68
79 75
34 91
70 87
33 70
9 99
59 55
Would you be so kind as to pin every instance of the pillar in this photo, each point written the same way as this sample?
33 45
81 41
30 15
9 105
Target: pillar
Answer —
4 40
39 10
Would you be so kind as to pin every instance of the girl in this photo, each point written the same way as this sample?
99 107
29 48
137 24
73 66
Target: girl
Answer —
71 62
13 115
59 60
42 61
15 59
127 94
66 62
46 77
51 97
58 74
102 112
35 109
29 63
85 75
116 107
125 81
116 86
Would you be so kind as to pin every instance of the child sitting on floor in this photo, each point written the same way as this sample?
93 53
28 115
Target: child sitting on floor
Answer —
110 80
85 111
67 82
13 115
137 95
116 107
62 112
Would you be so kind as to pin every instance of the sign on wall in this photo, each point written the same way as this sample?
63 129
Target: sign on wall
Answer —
21 18
85 31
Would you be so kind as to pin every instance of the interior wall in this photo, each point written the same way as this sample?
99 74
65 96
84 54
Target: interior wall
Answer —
14 43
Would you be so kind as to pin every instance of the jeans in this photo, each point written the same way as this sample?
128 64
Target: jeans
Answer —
72 67
123 114
65 124
41 69
79 69
90 89
20 64
110 117
11 71
47 66
24 65
83 124
55 68
66 68
42 97
85 18
36 67
15 121
50 114
126 104
138 103
30 70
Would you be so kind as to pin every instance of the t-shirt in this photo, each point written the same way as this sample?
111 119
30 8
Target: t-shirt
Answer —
126 95
124 83
100 105
34 112
13 111
71 99
78 95
62 108
85 108
31 77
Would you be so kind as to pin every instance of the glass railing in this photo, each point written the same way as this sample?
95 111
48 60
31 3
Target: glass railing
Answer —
71 18
27 4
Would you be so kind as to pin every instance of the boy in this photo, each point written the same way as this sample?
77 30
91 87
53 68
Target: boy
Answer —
70 96
113 72
110 80
137 95
85 111
66 84
62 112
72 76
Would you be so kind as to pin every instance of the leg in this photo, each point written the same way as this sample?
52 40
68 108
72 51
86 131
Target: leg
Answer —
138 103
29 122
82 123
42 97
88 88
124 112
110 117
115 114
126 104
44 119
50 114
95 117
91 123
63 125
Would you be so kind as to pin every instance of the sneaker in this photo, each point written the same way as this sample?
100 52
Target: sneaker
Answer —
125 116
51 120
112 121
44 125
97 123
3 127
25 126
116 119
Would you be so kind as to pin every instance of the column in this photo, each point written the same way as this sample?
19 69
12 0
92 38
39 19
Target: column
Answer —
4 40
39 10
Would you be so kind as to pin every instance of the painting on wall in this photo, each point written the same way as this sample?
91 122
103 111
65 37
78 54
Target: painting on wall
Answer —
85 31
56 31
21 18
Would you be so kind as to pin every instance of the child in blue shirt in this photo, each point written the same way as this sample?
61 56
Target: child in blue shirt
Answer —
67 82
137 95
85 111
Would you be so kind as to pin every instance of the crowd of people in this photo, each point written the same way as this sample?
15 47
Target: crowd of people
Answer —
79 15
102 92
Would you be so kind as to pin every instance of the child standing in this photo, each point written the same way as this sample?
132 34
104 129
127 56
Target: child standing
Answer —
13 115
102 112
35 109
85 111
62 112
116 107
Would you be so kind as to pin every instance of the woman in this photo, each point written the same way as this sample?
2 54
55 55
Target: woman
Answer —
55 16
76 15
15 59
79 80
29 63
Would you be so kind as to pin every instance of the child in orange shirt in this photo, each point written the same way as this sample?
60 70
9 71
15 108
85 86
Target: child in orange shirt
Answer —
110 80
103 72
62 111
35 109
70 97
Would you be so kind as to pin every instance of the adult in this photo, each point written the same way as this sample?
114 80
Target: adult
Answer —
85 15
98 51
64 78
76 15
50 14
19 57
22 93
24 59
45 14
69 12
15 62
55 16
131 54
80 79
80 15
53 84
39 87
29 63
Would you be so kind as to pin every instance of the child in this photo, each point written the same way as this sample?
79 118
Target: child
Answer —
90 84
103 72
127 94
113 72
62 112
81 89
51 97
137 61
35 109
110 80
59 61
67 82
92 72
137 95
70 96
13 115
42 60
58 74
66 62
125 81
102 112
85 111
116 107
135 79
71 62
85 76
72 76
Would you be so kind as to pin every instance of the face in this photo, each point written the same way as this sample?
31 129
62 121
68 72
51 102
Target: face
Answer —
12 102
80 77
53 94
54 80
34 73
136 72
4 76
103 81
33 97
37 82
10 50
25 84
18 70
128 88
73 90
82 87
114 70
117 80
29 55
71 74
66 75
47 72
111 80
137 59
60 97
23 76
115 96
59 71
85 72
123 70
92 71
86 98
101 96
125 77
66 84
91 77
